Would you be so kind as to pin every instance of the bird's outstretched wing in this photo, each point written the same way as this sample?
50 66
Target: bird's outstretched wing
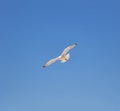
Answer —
50 62
68 48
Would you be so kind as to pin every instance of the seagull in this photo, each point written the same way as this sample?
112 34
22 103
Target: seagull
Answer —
64 57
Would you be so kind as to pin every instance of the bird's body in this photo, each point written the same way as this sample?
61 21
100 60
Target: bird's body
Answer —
63 57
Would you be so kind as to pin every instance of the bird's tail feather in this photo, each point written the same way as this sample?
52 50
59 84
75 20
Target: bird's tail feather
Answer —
63 61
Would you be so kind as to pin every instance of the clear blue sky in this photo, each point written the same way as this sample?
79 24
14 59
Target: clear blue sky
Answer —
34 31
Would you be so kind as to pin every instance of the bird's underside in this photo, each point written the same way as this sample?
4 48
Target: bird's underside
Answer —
63 57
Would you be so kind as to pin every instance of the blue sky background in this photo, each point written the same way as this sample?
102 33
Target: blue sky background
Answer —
34 31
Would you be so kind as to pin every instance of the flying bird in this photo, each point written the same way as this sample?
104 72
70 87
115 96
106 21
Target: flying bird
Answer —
63 57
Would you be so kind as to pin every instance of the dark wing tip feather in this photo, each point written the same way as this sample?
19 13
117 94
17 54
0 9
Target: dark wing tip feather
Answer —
76 43
43 67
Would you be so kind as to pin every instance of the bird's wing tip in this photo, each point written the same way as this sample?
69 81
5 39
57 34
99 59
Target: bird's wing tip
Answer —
43 67
76 43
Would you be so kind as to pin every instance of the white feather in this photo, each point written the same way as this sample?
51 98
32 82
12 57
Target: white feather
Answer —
63 57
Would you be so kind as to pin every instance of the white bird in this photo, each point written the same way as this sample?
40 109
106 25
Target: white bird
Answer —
63 57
